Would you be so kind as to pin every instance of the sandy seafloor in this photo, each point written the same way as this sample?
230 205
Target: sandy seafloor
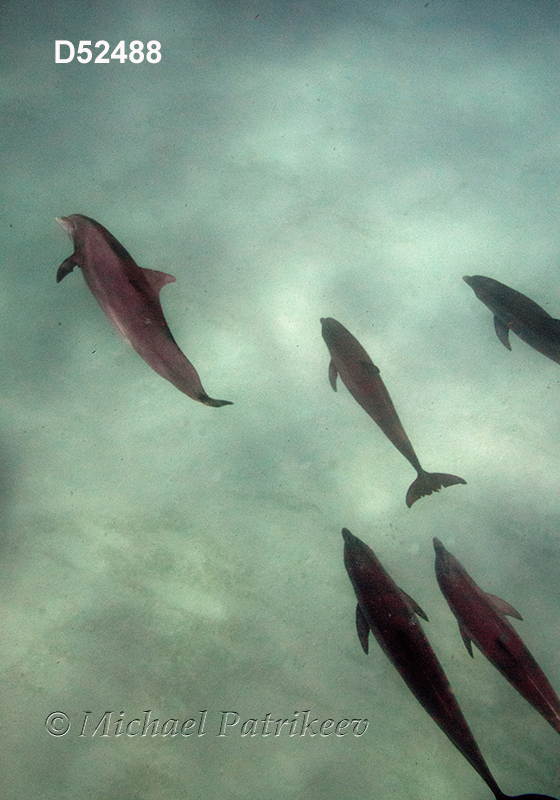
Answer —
285 161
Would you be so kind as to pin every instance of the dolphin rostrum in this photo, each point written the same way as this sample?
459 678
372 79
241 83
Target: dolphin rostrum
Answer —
482 620
391 615
129 296
513 311
362 379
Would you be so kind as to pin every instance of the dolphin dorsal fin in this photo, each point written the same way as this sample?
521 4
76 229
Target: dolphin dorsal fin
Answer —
413 605
466 640
157 279
370 369
502 607
503 332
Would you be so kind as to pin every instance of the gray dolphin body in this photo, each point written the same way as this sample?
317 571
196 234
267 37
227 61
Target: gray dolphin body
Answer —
482 620
129 296
513 311
362 379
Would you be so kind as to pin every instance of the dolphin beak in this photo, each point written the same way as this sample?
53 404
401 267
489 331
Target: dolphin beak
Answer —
65 223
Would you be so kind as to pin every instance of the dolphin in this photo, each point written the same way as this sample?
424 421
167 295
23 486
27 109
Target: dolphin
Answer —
391 615
362 379
129 296
482 620
513 311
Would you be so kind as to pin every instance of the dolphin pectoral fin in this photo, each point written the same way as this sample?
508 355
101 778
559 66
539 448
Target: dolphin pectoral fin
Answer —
428 482
333 373
502 331
363 629
466 639
66 268
502 607
413 605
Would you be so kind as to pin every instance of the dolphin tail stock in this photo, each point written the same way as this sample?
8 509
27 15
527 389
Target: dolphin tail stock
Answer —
209 401
428 482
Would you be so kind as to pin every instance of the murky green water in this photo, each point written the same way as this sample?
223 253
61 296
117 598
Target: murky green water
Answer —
163 560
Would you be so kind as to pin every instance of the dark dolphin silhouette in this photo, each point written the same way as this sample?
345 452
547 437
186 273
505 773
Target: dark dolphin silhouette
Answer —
482 620
391 615
129 296
513 311
362 379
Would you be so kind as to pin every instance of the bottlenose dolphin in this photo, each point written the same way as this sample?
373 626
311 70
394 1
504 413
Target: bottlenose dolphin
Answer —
129 296
362 379
482 620
390 614
513 311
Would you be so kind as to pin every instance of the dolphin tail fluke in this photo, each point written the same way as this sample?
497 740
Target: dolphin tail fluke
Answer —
428 482
209 401
526 797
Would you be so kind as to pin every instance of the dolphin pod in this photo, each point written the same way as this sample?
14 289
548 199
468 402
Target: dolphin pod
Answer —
362 379
129 296
513 311
391 615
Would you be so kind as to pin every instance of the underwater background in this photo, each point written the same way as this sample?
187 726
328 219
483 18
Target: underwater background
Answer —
285 161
